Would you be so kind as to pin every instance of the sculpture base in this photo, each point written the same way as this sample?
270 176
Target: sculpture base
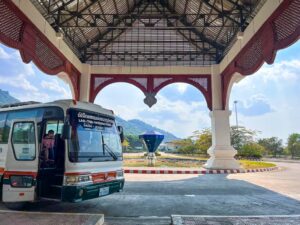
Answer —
151 159
222 157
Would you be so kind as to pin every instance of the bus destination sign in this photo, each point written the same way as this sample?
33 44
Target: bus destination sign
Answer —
91 121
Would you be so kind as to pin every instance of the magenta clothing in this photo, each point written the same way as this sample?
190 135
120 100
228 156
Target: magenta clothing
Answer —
48 143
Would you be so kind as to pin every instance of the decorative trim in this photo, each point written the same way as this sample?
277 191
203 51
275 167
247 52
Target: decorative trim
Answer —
150 85
100 80
17 31
141 81
201 81
280 31
159 81
201 171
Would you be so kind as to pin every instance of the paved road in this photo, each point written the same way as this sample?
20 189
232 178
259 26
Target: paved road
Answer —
151 196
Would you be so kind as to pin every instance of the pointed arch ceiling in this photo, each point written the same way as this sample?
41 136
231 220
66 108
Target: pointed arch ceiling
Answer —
149 32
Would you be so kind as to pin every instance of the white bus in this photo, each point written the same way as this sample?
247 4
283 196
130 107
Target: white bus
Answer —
64 150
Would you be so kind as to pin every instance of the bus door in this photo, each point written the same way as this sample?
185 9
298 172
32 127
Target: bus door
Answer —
19 181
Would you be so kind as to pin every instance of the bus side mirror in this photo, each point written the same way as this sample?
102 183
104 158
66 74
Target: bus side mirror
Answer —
66 134
121 133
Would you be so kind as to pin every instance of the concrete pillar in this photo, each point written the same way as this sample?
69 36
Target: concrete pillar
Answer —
85 81
221 152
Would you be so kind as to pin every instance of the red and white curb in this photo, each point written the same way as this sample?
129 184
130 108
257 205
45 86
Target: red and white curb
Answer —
202 171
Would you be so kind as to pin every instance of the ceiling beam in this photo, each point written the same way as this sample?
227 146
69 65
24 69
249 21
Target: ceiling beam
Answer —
76 14
200 35
101 36
222 13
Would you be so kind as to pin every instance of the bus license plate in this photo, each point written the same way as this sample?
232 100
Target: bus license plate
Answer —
104 191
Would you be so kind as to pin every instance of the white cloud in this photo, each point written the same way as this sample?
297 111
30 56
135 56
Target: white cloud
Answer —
4 54
178 117
28 69
55 86
269 99
19 81
280 123
181 87
284 71
32 96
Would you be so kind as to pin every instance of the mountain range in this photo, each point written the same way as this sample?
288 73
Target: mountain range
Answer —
6 98
131 127
137 127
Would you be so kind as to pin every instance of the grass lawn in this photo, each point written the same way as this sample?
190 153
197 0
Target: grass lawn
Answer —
247 164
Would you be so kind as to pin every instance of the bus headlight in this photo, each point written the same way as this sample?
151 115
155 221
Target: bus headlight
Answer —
77 179
120 174
85 178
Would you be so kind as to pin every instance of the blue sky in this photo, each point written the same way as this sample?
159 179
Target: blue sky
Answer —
268 101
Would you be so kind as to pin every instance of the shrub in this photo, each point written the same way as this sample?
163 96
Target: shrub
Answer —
251 150
156 154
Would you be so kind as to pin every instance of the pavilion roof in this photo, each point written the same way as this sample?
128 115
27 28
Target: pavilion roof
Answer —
149 32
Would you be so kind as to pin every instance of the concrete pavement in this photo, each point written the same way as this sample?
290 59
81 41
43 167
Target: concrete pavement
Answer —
158 196
37 218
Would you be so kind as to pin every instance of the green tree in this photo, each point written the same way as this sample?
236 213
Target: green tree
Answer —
125 145
241 136
185 146
294 145
203 141
273 146
135 143
251 150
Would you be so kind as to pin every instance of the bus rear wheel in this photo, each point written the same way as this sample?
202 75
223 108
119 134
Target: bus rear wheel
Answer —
15 205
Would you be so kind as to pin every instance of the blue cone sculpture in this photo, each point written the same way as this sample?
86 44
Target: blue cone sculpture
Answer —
152 140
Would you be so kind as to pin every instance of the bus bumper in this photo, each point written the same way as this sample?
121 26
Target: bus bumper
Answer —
90 191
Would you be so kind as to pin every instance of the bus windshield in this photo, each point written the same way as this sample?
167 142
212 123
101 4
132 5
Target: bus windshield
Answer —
94 138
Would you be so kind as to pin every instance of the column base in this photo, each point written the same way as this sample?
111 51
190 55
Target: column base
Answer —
222 157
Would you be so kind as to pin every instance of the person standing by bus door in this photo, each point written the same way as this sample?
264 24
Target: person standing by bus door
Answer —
48 144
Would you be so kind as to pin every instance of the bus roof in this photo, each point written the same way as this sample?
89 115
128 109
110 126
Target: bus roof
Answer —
64 104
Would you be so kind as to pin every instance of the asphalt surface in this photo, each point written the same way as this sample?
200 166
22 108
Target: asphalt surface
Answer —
154 198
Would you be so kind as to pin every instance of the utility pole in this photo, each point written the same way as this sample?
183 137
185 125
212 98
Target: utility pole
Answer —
236 116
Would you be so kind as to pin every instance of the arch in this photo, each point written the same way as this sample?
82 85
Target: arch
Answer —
235 79
150 85
204 88
66 78
106 80
276 33
16 31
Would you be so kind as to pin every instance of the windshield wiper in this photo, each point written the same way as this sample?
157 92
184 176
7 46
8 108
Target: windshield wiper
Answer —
110 152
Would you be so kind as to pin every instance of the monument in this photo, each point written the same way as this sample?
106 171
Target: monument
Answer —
152 140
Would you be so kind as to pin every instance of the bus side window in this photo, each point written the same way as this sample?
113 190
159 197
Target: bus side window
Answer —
23 140
55 125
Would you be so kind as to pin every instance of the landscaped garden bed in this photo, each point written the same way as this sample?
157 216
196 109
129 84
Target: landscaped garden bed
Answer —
183 161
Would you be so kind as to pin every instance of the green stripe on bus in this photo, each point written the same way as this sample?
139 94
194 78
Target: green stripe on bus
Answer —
90 191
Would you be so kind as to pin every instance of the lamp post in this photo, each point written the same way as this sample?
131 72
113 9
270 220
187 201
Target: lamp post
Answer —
236 116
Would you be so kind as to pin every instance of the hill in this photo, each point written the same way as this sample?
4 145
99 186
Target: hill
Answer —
136 127
6 98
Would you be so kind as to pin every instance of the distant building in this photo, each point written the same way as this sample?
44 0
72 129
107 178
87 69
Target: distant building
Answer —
168 146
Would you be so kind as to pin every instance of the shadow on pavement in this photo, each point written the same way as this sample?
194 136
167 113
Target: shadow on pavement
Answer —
202 195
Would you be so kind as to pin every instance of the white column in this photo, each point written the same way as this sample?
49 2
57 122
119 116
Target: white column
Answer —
85 83
221 152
